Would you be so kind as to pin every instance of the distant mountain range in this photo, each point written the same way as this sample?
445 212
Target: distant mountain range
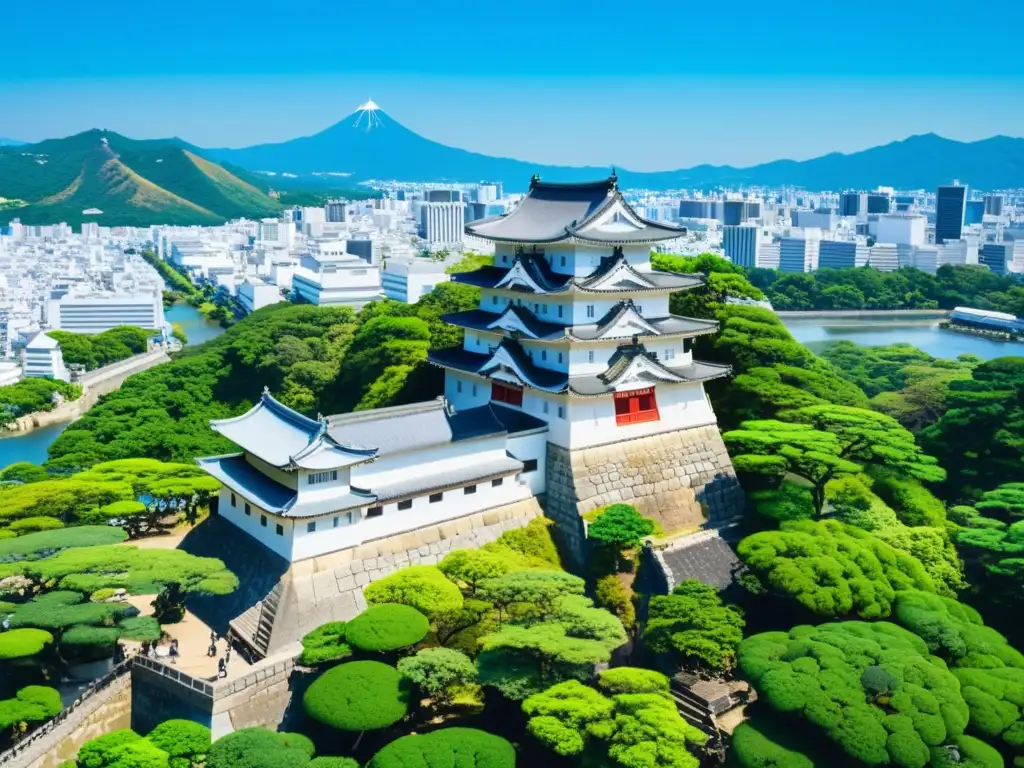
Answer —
389 150
10 142
104 177
169 181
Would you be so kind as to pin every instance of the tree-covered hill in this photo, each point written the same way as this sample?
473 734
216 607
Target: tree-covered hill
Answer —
132 182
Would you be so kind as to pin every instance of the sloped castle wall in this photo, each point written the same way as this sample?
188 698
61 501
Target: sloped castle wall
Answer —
682 478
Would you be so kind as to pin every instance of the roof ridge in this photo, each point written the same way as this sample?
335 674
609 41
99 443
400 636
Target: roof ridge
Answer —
391 411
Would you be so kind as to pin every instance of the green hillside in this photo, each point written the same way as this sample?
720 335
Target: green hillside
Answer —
133 183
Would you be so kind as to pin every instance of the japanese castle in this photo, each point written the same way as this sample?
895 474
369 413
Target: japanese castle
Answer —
571 353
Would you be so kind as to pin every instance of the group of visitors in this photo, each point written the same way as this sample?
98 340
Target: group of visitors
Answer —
222 663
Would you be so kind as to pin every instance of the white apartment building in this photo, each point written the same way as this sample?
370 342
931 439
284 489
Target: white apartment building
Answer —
330 276
10 372
442 217
42 359
410 279
274 231
800 254
98 312
885 257
255 294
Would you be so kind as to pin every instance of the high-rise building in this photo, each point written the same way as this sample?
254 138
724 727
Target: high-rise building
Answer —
442 217
996 256
98 312
336 211
841 254
993 205
885 257
852 203
768 255
799 254
740 244
878 202
974 212
822 218
950 207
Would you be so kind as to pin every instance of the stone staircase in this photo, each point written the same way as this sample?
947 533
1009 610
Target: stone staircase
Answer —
255 625
693 708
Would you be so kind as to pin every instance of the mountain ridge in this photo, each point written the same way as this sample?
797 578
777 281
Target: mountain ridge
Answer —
393 151
131 183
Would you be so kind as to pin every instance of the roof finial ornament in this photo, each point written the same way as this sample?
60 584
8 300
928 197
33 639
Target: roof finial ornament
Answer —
614 178
534 180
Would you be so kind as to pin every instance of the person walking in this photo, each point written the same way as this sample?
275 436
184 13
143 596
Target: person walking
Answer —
222 668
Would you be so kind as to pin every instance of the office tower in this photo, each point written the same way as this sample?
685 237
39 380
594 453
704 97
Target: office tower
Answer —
852 203
733 212
768 255
950 207
98 312
878 203
697 209
841 254
740 244
799 254
974 212
361 247
901 228
993 205
996 256
442 217
336 211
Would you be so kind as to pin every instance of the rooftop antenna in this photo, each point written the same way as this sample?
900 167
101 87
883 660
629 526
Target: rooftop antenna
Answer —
367 117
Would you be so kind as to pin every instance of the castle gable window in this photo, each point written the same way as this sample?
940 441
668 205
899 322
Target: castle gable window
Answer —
636 407
502 393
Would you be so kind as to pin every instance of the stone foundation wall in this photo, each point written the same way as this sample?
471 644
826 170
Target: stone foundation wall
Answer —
260 698
681 478
106 710
330 588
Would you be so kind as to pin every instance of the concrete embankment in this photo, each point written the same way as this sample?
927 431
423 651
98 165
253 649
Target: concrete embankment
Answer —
94 385
865 314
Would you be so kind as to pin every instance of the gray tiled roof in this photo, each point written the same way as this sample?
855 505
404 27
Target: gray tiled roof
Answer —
467 474
602 384
704 556
460 359
545 213
240 476
480 319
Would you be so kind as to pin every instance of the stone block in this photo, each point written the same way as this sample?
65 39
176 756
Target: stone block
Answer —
358 566
429 535
362 579
447 530
325 585
347 583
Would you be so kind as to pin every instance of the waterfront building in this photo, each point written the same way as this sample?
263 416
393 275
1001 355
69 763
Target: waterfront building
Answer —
800 254
987 320
95 312
410 279
42 359
442 217
841 254
741 244
950 208
901 228
255 294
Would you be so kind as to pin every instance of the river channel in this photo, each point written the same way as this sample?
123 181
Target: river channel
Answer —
32 446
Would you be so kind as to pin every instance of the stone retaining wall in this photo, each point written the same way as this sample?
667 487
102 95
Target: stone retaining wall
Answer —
106 710
330 588
681 478
259 698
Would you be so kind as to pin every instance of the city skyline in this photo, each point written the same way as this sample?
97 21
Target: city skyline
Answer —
586 84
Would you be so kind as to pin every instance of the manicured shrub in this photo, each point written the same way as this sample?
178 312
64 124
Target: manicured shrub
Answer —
620 526
533 541
694 626
325 644
107 749
33 703
34 525
469 567
357 696
422 587
437 671
45 543
386 627
820 676
187 743
140 629
93 642
260 748
610 594
632 680
19 643
461 747
331 762
755 744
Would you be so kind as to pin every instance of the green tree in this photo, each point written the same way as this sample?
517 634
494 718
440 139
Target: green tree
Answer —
260 748
628 725
821 677
121 749
423 587
694 627
830 569
358 696
187 743
620 526
33 546
756 744
22 643
438 672
325 644
456 747
529 593
386 627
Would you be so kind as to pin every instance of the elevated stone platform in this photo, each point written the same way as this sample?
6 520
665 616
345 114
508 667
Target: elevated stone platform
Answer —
681 478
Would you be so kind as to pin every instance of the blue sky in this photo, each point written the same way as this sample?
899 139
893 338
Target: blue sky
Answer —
644 85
